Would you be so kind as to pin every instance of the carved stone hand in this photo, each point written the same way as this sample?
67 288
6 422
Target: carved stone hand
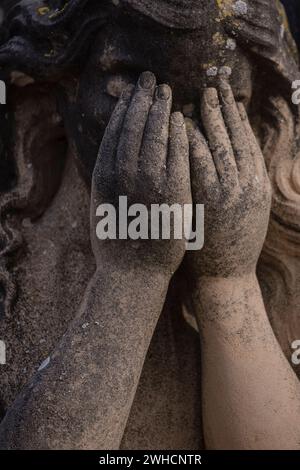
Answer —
229 176
144 156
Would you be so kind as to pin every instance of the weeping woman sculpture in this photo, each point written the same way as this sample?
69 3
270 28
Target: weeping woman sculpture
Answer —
65 65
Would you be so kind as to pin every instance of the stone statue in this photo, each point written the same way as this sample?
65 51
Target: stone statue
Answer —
78 82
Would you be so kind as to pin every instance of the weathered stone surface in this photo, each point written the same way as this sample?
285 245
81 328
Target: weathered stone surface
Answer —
72 62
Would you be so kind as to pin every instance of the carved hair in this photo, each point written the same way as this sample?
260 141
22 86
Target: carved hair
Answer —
42 38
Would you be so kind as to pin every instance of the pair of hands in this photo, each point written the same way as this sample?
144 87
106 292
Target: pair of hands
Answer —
154 156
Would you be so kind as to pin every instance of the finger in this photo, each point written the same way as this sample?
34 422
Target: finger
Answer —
204 177
153 156
256 153
104 170
178 156
236 130
218 139
133 128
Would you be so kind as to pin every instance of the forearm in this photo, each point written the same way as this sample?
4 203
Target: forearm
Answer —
97 364
251 396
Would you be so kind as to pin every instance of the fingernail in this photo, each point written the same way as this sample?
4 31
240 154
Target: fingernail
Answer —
211 97
147 80
178 119
226 92
163 92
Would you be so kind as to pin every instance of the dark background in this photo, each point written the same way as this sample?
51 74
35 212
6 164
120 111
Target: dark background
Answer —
293 11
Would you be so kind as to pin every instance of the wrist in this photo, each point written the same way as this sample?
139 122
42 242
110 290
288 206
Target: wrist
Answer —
134 263
223 287
133 299
132 276
221 300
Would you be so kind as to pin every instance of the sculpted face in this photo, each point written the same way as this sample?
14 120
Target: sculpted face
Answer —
135 40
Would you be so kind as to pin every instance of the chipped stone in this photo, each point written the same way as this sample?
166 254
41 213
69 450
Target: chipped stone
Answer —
231 44
240 7
212 72
225 71
44 364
